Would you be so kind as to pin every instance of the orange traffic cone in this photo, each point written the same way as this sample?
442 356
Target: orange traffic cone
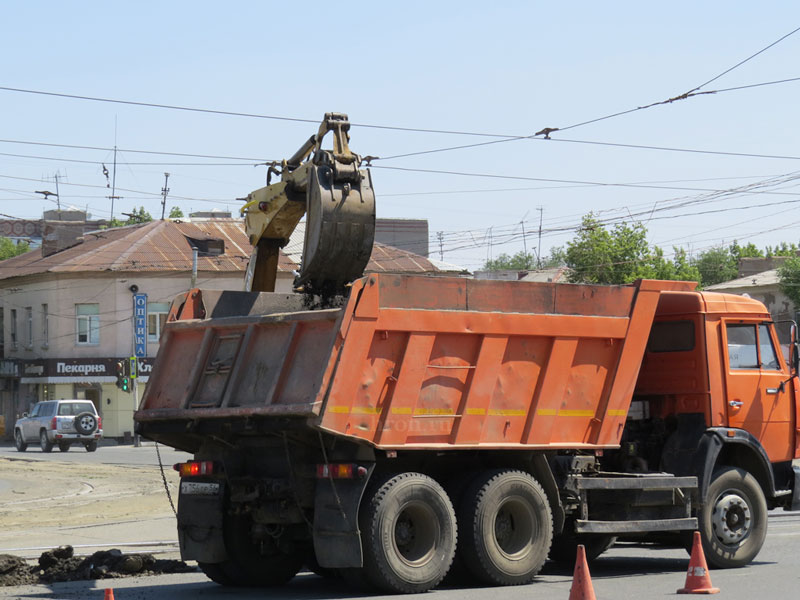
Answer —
109 595
698 580
581 579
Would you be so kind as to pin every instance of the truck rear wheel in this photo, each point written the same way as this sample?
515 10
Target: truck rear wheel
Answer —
506 527
408 534
733 520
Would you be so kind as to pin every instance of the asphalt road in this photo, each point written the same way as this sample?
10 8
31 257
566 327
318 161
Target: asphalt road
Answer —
110 455
626 571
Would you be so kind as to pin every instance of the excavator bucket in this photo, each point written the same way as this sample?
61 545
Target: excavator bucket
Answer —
340 229
338 201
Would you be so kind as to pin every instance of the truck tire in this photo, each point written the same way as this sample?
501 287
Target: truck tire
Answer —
216 573
63 446
506 527
248 564
565 546
45 444
408 532
733 520
19 441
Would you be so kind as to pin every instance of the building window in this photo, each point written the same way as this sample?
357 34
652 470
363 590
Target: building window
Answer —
45 326
13 332
156 319
28 327
87 323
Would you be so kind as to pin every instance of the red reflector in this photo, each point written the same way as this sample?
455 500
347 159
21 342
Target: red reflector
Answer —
339 471
194 468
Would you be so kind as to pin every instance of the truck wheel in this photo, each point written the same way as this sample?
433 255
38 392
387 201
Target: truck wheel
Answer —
251 563
19 441
91 446
216 573
63 446
45 444
408 530
733 520
565 546
507 527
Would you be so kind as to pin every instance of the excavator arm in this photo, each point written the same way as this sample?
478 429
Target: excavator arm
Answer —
335 195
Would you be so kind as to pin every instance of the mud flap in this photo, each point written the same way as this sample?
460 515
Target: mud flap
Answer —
200 529
337 538
795 505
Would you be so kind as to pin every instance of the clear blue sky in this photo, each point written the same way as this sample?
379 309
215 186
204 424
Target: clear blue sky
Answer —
508 68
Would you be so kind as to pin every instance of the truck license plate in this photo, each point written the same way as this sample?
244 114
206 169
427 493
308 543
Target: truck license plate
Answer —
199 489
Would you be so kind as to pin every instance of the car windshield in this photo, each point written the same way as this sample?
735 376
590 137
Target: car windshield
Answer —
74 408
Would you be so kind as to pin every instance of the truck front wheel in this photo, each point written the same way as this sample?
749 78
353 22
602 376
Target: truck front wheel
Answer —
506 527
408 530
733 520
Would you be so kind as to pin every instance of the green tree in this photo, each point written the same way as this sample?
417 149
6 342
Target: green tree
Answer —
9 248
138 216
715 266
722 264
175 213
782 249
789 279
519 262
597 255
621 255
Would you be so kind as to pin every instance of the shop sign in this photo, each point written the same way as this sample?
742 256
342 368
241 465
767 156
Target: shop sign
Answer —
140 324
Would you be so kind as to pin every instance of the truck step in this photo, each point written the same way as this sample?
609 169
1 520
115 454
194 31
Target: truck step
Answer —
641 526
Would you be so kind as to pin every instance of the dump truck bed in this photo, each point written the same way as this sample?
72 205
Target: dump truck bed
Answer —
414 362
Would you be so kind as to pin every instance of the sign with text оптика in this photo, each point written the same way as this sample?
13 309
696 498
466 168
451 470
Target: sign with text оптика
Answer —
140 325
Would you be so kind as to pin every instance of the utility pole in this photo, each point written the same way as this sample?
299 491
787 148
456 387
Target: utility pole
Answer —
113 195
539 248
58 196
164 192
440 235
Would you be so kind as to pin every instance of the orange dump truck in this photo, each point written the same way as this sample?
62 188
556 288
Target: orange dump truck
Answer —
437 423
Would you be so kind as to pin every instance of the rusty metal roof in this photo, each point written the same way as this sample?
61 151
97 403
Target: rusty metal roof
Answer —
160 246
388 259
156 246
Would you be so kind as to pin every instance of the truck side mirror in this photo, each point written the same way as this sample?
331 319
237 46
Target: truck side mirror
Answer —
795 358
24 415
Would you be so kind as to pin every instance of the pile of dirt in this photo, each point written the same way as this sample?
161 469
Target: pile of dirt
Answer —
61 564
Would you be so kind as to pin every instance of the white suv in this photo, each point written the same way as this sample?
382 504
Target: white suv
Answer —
59 422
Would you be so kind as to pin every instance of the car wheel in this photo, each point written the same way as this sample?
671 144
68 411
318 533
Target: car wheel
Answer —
63 446
85 423
91 446
506 527
733 520
19 441
408 529
45 444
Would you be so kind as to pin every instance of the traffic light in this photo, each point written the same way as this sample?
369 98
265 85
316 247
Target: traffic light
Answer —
133 367
123 376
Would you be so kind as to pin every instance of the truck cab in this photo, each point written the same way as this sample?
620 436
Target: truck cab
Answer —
717 397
